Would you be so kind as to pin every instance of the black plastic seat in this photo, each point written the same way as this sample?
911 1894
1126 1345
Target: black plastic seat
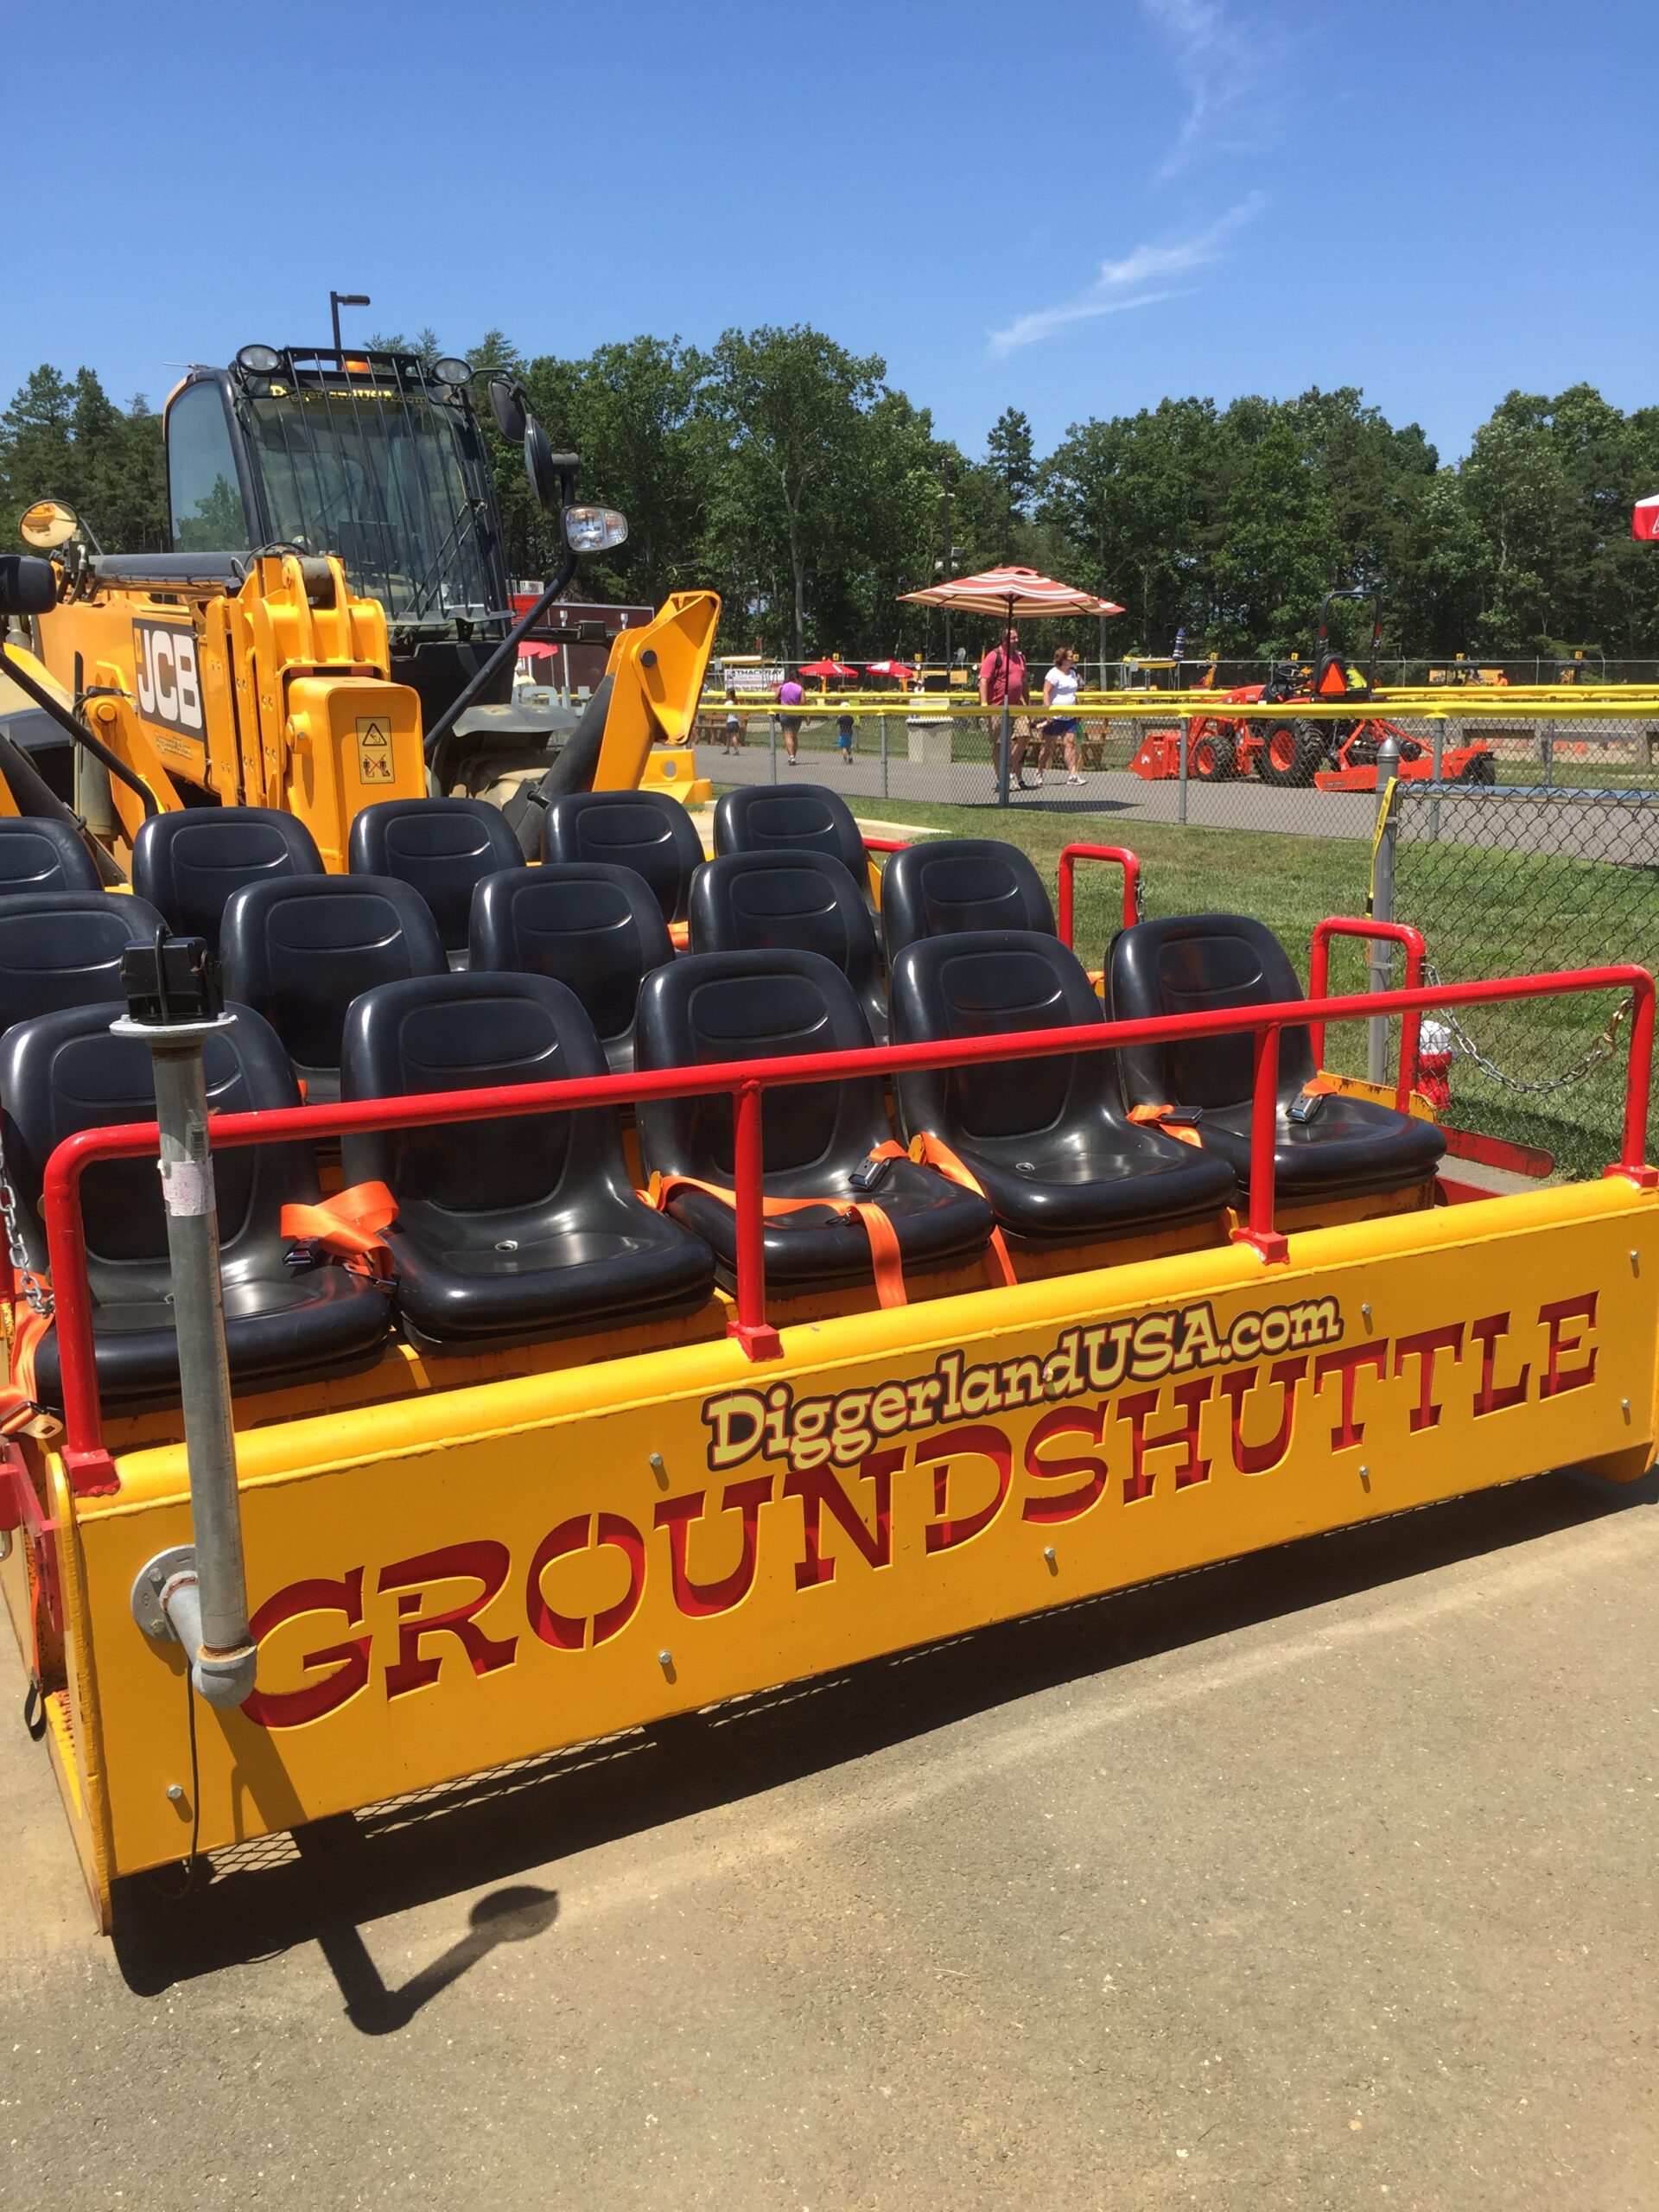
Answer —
791 818
653 835
64 1072
1197 962
63 948
739 1006
442 846
796 901
188 863
302 948
596 929
946 885
38 853
507 1231
1048 1139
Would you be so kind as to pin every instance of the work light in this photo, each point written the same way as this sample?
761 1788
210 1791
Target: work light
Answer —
594 530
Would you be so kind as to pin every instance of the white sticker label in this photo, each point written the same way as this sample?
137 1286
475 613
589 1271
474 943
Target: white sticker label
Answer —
185 1187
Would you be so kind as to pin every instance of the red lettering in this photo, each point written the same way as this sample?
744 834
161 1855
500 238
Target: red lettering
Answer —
976 1442
1139 1409
569 1631
1423 1347
1066 1504
1347 1364
350 1660
1558 1378
1236 1383
676 1514
483 1561
821 1486
1492 1398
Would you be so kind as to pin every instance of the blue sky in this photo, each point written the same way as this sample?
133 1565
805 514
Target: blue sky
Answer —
1075 209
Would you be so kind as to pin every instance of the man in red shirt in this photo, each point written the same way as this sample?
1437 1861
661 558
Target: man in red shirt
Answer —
1002 677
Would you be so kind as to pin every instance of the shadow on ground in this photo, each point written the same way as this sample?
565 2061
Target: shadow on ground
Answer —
328 1881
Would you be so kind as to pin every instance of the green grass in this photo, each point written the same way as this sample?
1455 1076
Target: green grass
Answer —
1483 914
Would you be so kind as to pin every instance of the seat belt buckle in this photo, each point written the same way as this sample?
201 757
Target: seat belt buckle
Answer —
869 1172
1183 1117
1307 1107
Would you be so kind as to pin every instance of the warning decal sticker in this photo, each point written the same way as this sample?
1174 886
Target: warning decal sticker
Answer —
374 749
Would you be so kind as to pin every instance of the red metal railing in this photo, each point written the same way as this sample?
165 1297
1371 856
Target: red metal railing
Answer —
1319 968
1122 857
89 1465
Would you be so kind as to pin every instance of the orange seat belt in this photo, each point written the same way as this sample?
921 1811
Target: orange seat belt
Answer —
885 1257
929 1151
679 935
1154 1117
348 1225
19 1408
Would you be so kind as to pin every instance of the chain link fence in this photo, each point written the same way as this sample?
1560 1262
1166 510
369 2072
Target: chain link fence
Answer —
1518 881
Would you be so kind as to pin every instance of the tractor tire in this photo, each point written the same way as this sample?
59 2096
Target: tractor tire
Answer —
1483 769
1214 757
1290 753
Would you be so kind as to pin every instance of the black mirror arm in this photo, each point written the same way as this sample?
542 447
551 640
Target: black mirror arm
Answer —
79 732
509 644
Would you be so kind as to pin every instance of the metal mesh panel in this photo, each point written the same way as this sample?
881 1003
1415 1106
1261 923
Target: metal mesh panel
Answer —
1521 881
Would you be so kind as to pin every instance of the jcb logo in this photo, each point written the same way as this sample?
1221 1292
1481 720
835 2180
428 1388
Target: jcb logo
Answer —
169 689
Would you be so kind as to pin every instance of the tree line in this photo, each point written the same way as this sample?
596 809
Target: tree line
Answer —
794 478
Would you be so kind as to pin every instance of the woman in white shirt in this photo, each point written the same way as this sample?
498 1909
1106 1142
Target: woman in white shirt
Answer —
1060 690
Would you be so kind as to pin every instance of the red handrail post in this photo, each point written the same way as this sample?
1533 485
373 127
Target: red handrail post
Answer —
1260 1233
749 1324
1633 1163
1319 968
1122 857
87 1459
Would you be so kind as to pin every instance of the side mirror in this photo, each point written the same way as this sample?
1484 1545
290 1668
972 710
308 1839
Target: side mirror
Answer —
27 585
49 524
551 474
594 530
507 405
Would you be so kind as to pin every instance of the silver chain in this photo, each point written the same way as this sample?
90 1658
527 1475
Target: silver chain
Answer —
1467 1045
37 1292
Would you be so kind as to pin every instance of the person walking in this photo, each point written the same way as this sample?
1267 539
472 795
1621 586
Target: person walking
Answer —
790 695
844 739
734 720
1060 690
1003 678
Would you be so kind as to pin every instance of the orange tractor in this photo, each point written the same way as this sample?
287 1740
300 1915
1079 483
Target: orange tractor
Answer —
1328 753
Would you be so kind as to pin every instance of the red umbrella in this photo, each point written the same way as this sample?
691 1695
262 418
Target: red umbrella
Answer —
832 672
897 668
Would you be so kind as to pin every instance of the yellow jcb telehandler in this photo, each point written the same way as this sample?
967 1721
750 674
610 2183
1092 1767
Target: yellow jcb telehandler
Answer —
335 603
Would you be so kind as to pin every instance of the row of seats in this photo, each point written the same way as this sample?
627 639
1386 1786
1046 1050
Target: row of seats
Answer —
538 1231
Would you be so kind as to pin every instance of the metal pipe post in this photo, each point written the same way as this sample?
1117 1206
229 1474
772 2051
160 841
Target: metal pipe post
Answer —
884 752
1381 907
1180 797
1003 765
222 1654
1437 733
772 744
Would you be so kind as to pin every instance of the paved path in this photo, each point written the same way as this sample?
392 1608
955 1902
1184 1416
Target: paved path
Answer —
1319 1881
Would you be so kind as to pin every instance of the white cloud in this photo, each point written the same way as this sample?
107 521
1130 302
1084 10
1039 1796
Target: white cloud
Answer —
1222 72
1137 281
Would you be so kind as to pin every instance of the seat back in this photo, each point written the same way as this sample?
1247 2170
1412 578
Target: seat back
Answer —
474 1032
596 929
793 901
302 948
65 1071
949 884
63 948
653 835
709 1007
441 847
188 863
38 853
996 983
795 818
1189 965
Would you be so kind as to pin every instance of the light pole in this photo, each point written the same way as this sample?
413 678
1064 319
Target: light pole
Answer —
338 300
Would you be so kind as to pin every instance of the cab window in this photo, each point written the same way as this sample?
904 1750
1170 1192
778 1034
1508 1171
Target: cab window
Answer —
202 491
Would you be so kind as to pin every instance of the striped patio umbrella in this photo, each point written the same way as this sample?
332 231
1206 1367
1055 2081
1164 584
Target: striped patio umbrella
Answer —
1013 592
